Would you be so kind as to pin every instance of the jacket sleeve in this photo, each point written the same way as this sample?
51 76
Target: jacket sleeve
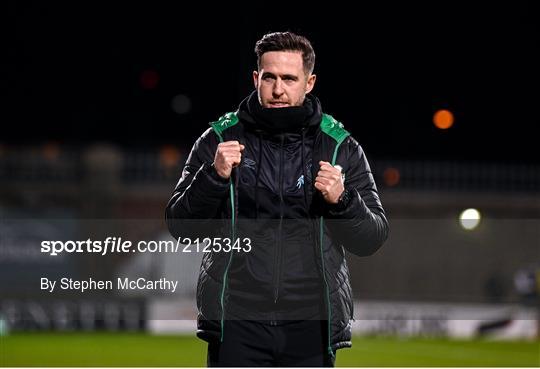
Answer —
361 225
199 192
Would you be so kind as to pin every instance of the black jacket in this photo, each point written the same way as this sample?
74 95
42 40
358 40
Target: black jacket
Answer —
296 268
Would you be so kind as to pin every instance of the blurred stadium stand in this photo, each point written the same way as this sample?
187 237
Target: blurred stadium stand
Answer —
428 257
162 166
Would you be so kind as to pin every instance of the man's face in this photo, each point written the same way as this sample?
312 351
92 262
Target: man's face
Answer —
281 80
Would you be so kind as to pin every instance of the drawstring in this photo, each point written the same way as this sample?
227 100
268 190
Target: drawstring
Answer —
257 178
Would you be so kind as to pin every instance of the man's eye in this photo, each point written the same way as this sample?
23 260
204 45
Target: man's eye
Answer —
268 78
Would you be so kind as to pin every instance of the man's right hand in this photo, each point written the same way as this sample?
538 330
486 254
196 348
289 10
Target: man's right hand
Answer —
228 155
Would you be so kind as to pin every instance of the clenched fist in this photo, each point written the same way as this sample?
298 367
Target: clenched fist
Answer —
329 182
228 155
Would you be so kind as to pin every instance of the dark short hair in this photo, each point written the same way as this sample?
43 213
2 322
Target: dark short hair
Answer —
286 41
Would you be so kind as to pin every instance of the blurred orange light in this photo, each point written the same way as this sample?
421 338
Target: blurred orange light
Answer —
443 119
169 156
391 177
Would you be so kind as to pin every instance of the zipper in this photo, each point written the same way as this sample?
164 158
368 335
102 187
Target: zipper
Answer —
277 259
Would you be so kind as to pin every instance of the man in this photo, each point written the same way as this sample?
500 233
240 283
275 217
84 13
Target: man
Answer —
290 181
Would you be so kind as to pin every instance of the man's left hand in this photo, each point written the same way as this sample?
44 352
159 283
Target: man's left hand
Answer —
329 182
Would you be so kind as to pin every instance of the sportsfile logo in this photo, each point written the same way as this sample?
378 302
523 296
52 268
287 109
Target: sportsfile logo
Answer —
119 245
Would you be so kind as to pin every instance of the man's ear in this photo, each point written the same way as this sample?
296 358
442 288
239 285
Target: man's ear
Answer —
310 82
256 79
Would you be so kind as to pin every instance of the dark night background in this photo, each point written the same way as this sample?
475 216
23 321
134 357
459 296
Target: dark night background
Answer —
92 144
74 72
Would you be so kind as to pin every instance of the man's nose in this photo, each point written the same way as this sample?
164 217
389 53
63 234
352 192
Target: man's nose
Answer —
278 88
